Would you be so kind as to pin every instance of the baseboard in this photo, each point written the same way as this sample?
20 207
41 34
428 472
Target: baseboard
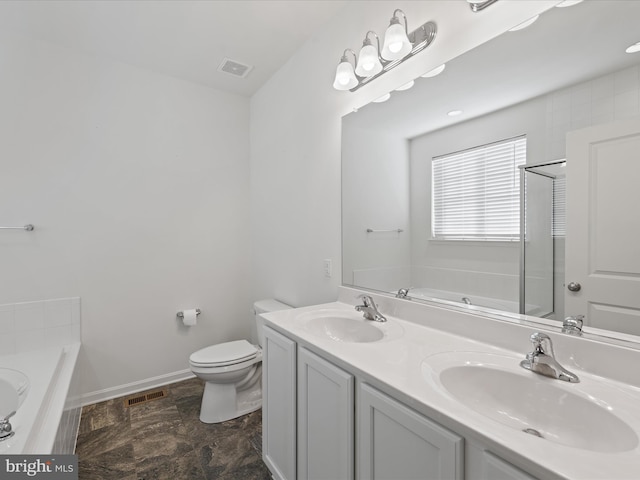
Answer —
134 387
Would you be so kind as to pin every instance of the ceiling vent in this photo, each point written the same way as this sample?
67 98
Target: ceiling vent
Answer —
234 68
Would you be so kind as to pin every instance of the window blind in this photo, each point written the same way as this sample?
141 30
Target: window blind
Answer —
476 193
559 206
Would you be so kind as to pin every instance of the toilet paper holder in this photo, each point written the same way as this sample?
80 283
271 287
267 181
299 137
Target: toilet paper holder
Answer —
181 314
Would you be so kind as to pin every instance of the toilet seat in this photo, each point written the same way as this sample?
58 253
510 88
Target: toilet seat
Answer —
224 354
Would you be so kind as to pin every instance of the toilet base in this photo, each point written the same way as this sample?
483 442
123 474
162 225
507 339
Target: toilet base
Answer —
221 402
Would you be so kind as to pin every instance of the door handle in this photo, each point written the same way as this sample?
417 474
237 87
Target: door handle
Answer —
574 287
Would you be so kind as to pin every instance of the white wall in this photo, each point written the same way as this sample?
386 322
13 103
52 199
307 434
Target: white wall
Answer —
138 186
377 166
295 136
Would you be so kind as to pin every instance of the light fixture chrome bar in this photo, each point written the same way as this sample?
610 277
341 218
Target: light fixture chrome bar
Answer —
396 230
28 228
420 38
479 6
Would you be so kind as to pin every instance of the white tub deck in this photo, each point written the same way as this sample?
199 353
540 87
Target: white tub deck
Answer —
36 422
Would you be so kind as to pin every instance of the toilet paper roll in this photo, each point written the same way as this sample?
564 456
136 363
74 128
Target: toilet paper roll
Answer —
190 317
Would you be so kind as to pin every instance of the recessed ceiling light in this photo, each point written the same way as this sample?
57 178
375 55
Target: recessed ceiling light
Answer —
454 113
633 48
406 86
434 72
524 24
383 98
568 3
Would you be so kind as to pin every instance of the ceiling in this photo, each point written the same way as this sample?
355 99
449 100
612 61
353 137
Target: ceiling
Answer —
182 38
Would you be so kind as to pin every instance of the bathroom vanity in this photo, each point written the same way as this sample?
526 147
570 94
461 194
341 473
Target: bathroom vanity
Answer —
424 396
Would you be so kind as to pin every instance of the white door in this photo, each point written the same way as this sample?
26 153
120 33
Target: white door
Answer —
603 226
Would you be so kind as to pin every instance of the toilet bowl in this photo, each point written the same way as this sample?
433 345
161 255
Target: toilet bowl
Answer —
232 372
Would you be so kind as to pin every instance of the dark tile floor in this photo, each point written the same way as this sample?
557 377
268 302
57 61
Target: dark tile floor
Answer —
164 439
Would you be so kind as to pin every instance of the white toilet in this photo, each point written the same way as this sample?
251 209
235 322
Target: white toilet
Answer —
232 372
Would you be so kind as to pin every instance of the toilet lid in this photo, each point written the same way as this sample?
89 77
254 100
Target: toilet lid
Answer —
224 353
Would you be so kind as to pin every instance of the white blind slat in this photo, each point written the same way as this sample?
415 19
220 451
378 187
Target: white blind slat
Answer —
476 193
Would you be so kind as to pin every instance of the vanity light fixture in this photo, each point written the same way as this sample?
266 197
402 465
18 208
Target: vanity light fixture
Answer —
478 5
371 62
345 75
396 39
635 48
568 3
435 71
382 98
406 86
524 24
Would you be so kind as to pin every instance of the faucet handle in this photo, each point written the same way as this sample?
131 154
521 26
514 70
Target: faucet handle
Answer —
573 325
542 343
367 300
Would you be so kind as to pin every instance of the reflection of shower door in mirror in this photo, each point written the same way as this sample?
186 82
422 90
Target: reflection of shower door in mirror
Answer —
537 250
603 225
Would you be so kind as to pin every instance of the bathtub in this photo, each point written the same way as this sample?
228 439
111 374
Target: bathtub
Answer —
476 300
47 422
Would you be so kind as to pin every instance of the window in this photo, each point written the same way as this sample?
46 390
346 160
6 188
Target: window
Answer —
559 206
476 193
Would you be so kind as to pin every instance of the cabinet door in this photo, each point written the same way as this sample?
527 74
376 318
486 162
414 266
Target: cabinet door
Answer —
279 405
325 419
494 468
398 443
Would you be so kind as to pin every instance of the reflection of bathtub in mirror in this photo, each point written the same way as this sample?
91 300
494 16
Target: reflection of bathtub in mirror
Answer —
458 298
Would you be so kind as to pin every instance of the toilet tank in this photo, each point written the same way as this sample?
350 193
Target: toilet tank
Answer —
266 306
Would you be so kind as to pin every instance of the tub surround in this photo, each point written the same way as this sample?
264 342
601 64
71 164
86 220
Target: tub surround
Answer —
29 326
396 367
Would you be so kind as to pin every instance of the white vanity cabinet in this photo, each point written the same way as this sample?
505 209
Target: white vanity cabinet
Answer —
396 443
325 419
321 421
279 404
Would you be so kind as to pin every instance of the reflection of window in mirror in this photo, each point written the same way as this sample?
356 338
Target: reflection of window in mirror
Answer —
476 192
559 206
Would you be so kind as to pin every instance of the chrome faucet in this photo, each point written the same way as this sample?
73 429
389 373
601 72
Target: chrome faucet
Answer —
542 360
369 309
5 427
402 293
573 325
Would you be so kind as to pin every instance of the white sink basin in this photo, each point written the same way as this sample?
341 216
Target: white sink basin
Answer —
14 386
496 387
343 326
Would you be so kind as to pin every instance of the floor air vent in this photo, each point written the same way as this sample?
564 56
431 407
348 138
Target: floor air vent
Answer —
145 397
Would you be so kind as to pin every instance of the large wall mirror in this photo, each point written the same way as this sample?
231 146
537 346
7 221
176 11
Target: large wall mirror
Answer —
519 97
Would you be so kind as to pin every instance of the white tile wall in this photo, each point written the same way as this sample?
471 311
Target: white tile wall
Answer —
602 100
34 325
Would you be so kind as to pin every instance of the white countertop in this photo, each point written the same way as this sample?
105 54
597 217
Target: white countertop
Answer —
396 363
